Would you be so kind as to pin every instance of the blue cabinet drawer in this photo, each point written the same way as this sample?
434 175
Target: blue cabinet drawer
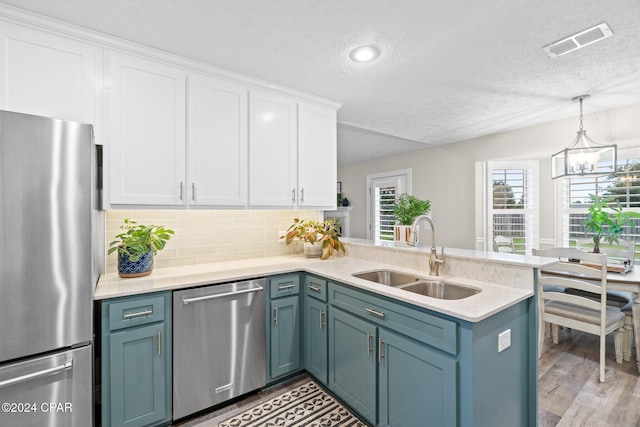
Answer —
316 288
135 311
284 285
412 322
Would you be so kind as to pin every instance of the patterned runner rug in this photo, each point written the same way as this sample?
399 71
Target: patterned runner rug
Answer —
307 405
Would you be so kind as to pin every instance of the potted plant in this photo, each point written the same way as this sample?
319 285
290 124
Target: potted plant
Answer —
321 238
606 221
136 246
406 209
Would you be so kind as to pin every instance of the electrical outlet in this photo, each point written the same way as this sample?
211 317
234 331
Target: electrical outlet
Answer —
504 340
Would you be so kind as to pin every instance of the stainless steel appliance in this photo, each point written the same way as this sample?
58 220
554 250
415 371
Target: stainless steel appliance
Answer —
51 253
218 344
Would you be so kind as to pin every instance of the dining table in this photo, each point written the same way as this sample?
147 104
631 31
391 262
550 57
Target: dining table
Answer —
629 282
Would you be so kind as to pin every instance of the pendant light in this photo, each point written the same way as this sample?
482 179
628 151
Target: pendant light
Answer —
584 156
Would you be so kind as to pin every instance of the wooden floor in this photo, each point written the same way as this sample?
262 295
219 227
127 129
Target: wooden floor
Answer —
569 393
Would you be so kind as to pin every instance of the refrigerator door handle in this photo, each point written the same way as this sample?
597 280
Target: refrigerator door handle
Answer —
34 375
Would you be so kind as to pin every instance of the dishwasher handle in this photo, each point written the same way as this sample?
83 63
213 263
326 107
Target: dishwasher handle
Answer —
186 301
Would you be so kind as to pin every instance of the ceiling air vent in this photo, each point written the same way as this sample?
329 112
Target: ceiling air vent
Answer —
578 40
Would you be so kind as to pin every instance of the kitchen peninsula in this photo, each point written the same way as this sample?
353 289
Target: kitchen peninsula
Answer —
485 379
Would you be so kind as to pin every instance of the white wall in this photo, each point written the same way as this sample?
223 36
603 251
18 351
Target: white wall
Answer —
446 174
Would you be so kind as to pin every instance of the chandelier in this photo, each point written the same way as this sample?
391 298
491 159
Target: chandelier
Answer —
584 156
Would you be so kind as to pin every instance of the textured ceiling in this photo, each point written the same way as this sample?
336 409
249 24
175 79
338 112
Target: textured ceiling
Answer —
449 70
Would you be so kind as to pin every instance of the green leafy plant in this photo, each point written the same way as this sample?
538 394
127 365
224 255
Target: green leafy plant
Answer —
408 207
136 239
324 232
606 221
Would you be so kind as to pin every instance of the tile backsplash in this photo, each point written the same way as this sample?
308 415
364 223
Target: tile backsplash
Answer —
203 236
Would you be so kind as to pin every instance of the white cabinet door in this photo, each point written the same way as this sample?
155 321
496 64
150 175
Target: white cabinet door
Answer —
46 75
147 134
317 157
272 150
217 142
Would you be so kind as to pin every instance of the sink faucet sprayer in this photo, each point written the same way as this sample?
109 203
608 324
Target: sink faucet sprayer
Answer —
434 260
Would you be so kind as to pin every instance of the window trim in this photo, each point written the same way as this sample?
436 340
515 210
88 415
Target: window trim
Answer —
561 191
391 175
484 203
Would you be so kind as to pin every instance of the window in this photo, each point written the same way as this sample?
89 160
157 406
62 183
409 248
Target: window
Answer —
512 203
383 190
573 199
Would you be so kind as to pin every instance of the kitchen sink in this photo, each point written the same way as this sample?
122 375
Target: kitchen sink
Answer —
388 277
418 285
439 289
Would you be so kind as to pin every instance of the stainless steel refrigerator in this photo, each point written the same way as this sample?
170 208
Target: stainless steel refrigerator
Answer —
51 253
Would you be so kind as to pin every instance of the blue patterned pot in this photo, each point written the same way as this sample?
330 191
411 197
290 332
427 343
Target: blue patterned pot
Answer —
139 268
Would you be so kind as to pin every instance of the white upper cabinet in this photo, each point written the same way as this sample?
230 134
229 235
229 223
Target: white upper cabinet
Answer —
176 132
272 150
217 142
46 75
292 153
317 156
147 115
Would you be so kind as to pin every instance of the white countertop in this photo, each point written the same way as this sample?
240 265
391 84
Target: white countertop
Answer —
492 298
469 254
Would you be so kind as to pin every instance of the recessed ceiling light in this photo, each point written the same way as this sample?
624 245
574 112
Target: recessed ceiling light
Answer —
365 53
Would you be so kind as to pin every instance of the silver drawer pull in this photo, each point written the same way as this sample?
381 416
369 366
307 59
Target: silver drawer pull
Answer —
159 344
380 351
138 314
321 319
373 312
285 287
314 288
275 315
369 349
44 373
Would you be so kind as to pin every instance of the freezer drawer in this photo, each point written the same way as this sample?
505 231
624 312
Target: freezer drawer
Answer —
218 344
52 391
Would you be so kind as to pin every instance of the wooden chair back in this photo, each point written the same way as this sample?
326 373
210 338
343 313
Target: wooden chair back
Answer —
581 271
623 252
504 245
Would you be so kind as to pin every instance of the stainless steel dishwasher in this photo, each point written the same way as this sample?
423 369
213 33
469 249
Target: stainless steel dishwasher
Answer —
218 344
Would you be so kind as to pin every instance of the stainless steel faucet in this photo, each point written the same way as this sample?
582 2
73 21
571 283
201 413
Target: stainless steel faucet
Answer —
434 261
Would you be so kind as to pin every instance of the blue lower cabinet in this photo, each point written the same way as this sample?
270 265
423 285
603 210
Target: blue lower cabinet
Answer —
136 361
416 383
315 339
284 336
353 363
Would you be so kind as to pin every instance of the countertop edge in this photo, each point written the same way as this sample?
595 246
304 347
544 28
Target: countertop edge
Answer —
493 298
